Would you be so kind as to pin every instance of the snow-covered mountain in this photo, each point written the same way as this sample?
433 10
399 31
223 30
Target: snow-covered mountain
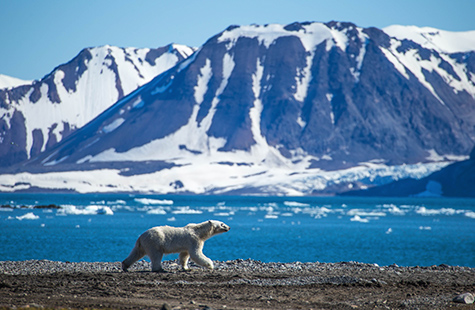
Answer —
35 116
10 82
305 108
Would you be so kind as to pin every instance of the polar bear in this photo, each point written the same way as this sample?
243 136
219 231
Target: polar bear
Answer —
188 241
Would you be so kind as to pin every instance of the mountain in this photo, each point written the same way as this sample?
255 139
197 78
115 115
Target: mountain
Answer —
305 108
39 114
455 180
10 82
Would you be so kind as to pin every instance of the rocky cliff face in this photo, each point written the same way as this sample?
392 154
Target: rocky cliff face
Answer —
37 115
267 106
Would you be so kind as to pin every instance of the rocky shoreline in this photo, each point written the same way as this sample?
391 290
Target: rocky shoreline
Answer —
237 284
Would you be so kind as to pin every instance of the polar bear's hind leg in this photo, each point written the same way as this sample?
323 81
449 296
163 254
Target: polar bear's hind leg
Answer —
183 258
156 259
136 254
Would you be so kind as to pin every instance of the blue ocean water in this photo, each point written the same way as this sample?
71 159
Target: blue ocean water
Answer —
402 231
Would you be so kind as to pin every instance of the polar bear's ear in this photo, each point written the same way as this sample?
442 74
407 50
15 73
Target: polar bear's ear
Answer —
209 222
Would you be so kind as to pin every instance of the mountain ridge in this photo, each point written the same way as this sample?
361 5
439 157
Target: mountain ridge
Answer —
7 82
38 115
304 108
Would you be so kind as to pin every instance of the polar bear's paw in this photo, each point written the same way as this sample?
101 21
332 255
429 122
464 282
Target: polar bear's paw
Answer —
160 271
210 265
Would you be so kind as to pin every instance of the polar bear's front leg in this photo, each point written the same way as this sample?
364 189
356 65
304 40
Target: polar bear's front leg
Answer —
199 258
183 258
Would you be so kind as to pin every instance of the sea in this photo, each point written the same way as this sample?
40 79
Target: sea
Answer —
104 227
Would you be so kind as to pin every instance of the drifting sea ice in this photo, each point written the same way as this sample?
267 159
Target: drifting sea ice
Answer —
357 218
89 210
28 216
148 201
159 211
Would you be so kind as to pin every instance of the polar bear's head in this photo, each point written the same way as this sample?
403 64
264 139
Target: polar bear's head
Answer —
208 229
218 227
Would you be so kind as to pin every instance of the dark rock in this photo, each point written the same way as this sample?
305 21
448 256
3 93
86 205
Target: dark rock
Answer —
50 206
166 306
465 298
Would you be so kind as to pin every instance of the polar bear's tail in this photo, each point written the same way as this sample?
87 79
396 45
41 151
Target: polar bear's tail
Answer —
136 254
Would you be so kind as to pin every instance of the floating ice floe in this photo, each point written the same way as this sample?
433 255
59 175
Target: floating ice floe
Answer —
117 202
223 214
470 214
295 204
105 211
186 210
357 218
159 211
393 209
287 214
443 211
89 210
148 201
361 212
317 212
28 216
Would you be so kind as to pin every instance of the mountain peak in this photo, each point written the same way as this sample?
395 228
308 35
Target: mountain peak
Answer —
11 82
432 38
42 113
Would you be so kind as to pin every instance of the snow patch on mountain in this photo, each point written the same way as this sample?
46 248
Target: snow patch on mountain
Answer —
184 50
432 38
203 79
10 82
309 34
256 110
113 126
411 60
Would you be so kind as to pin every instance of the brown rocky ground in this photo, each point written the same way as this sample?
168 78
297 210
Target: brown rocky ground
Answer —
238 284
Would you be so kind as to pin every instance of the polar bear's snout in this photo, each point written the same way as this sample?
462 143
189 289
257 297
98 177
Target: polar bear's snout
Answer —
224 227
220 227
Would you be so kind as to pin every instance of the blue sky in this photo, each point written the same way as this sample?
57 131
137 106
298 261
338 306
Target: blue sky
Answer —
37 35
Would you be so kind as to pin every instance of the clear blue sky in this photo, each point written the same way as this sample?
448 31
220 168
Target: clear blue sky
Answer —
36 36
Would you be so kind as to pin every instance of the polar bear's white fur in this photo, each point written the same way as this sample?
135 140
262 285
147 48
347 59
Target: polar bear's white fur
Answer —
188 241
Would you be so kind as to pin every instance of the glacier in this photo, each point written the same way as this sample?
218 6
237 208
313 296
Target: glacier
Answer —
210 177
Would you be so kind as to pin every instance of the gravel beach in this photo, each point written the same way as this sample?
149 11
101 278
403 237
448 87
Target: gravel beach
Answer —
237 284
